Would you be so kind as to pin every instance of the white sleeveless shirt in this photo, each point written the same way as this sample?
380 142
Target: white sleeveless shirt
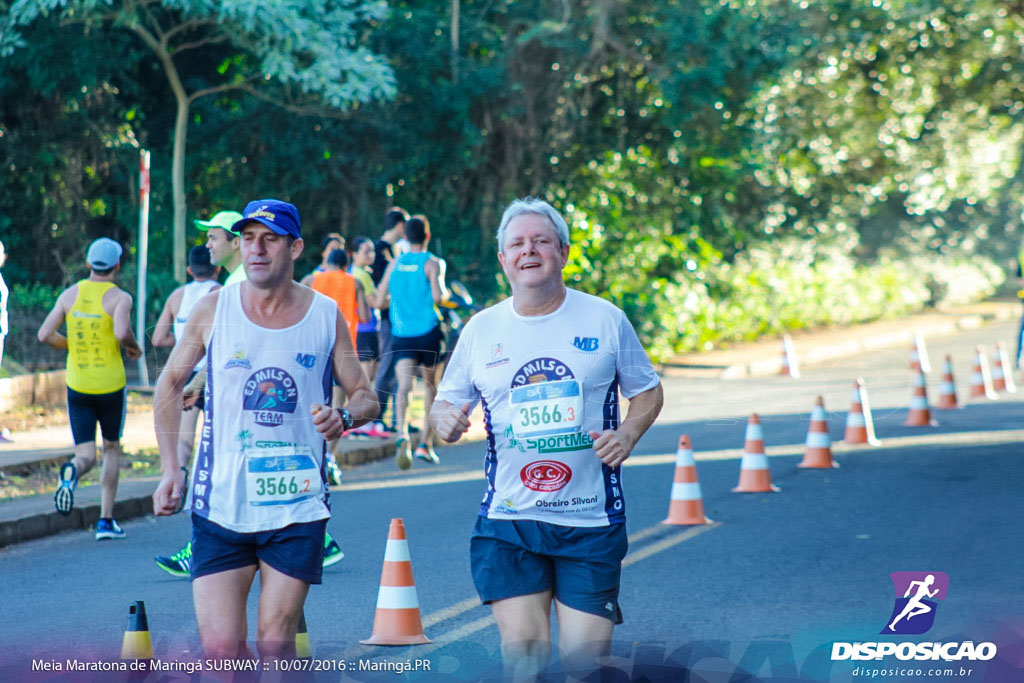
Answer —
260 464
190 296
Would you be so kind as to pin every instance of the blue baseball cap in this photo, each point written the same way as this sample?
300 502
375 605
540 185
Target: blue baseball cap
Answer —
103 254
281 217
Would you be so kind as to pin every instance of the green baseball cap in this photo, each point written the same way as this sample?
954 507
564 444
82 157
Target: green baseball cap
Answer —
221 219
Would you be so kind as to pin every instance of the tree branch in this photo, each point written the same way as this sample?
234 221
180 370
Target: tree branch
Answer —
187 26
199 43
301 110
224 87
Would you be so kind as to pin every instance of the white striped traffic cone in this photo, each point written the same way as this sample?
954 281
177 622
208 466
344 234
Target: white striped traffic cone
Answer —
1002 366
789 364
860 428
686 506
397 621
818 450
755 477
920 414
981 378
947 389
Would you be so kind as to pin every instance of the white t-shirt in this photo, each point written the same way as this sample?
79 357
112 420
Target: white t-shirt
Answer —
260 463
545 383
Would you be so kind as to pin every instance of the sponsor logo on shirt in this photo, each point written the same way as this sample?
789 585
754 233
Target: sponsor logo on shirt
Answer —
586 344
270 393
238 360
496 358
545 476
507 507
306 360
541 370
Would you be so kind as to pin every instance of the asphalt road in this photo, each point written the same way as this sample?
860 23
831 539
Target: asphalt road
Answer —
764 590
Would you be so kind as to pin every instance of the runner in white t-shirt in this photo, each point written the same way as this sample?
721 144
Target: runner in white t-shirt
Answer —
548 366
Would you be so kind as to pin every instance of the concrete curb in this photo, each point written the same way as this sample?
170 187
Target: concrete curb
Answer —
32 517
859 340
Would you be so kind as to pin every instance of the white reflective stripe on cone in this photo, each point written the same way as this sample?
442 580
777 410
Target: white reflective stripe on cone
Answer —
684 459
918 402
754 433
818 440
855 420
685 491
754 461
947 388
397 551
397 597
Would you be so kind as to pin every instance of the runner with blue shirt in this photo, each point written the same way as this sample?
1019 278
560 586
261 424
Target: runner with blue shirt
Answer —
548 365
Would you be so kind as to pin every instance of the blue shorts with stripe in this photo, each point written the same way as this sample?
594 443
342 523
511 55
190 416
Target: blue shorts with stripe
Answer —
297 550
581 565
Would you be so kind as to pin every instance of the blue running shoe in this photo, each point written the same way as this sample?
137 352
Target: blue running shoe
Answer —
106 527
332 551
64 498
178 564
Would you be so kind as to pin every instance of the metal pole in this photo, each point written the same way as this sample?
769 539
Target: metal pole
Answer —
140 304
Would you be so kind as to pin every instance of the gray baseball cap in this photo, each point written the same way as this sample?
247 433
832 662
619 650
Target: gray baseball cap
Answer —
103 254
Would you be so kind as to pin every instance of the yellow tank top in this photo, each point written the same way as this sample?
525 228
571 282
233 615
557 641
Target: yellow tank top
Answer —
94 356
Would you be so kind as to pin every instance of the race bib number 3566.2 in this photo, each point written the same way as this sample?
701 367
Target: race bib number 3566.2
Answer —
546 408
281 475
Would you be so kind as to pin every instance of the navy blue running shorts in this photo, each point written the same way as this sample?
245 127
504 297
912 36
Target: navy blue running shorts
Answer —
297 550
368 345
424 349
582 565
85 410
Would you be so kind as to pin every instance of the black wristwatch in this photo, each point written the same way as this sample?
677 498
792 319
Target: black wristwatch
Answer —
346 418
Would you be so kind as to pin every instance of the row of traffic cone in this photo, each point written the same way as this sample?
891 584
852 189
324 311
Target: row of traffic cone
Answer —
397 619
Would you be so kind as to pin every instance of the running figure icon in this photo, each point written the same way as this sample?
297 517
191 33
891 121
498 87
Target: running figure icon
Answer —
914 606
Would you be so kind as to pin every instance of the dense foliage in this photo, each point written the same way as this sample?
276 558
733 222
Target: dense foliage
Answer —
710 155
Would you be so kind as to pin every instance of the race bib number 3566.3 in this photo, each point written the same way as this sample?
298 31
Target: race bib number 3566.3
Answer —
546 408
281 475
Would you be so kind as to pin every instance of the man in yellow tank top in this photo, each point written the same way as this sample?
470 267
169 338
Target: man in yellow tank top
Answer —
98 318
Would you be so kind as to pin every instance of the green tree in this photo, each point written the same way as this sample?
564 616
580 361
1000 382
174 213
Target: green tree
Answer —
311 49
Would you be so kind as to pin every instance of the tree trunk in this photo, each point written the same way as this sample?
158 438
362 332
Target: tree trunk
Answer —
178 187
455 42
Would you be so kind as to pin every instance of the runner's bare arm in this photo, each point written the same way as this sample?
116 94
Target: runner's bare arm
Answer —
48 333
308 280
163 333
167 402
434 269
383 293
613 446
362 309
122 315
362 401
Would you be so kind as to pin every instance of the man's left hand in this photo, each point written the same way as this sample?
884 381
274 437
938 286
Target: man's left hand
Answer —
327 421
611 447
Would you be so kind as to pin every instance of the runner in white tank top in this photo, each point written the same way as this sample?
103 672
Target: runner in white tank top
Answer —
259 498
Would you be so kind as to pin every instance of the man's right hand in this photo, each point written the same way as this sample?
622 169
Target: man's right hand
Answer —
450 422
168 495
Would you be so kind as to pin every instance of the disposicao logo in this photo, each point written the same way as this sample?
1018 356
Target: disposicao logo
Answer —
916 592
913 614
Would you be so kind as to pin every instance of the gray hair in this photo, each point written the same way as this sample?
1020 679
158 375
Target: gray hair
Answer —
539 207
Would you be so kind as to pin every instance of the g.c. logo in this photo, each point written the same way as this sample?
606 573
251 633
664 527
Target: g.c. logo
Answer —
545 476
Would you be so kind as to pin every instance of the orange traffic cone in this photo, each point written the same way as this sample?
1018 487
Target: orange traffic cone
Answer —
947 389
981 379
920 414
860 428
1002 371
789 366
755 477
818 453
686 506
397 621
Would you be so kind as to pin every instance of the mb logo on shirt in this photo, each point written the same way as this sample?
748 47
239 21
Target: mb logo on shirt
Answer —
585 344
270 393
